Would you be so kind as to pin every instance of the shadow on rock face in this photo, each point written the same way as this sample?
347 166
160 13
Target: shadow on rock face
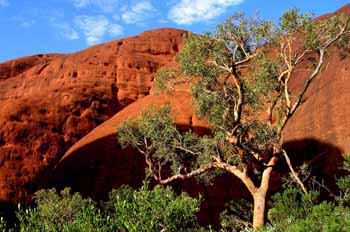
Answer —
323 158
100 166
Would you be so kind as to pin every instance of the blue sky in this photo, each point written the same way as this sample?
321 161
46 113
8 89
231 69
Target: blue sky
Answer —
64 26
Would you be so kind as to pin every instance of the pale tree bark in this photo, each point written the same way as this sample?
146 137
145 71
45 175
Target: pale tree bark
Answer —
259 209
260 195
294 174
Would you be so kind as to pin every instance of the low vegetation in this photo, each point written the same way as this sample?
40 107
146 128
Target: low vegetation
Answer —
160 209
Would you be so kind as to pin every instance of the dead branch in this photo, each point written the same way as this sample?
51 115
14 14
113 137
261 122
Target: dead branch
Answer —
295 175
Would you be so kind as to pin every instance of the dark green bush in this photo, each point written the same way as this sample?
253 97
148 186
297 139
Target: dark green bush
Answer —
129 210
293 211
156 210
62 211
3 225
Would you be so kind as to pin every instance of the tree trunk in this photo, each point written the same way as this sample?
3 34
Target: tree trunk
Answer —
259 209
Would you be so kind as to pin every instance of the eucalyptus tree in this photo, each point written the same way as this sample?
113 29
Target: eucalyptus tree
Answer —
239 77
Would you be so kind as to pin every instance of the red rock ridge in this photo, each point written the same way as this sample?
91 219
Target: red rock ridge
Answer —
14 67
49 102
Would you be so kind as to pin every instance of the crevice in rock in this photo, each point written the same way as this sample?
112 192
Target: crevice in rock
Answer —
42 68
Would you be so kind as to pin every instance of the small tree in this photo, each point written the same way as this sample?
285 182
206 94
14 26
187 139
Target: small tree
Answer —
239 78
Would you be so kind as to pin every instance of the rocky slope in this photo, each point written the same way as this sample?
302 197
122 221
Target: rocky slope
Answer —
48 102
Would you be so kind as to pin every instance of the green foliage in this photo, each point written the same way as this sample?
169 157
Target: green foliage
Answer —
193 58
237 215
154 125
263 136
261 86
292 21
61 212
155 135
210 105
159 209
323 217
290 206
344 184
251 32
165 79
207 60
156 210
3 225
293 211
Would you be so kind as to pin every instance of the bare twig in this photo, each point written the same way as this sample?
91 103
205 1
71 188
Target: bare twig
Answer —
295 175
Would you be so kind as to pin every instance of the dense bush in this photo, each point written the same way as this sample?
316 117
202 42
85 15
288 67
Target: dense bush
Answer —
294 211
156 210
131 210
2 225
62 211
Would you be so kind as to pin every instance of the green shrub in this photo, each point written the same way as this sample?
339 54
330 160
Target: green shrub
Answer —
290 206
324 217
61 212
3 225
293 211
129 210
156 210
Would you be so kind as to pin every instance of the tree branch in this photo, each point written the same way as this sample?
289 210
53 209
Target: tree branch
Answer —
307 83
238 173
188 175
265 180
238 105
295 106
248 58
294 174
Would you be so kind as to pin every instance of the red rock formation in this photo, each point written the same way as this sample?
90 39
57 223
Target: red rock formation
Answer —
48 102
343 10
53 102
324 115
14 67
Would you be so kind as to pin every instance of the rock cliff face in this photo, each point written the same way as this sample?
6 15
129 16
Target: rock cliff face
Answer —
324 115
48 102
